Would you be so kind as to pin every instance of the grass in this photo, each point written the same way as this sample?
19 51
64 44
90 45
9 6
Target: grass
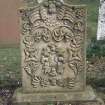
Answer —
9 65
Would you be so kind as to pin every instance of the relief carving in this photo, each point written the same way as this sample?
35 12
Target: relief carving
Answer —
48 68
53 38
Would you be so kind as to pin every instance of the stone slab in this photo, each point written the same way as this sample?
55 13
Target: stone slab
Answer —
53 47
87 95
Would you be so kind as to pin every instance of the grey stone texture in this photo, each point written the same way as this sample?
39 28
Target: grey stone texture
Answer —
53 51
101 21
87 95
53 47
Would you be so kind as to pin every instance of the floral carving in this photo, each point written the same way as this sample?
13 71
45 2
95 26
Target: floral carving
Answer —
78 26
61 33
80 13
53 46
41 33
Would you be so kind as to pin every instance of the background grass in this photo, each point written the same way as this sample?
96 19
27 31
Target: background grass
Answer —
10 71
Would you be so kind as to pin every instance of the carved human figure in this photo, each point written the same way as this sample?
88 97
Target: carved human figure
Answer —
53 60
60 60
46 65
52 48
45 60
60 68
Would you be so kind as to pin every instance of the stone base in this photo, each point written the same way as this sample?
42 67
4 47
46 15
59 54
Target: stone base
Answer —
20 98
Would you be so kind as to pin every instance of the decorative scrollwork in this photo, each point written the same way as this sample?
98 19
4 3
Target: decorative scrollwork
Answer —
62 33
28 41
57 35
78 26
41 33
52 60
53 45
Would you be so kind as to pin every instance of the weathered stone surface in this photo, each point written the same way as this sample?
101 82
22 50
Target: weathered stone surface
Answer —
87 95
53 47
53 54
101 21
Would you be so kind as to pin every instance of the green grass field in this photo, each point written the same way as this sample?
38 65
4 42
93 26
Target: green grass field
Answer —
9 65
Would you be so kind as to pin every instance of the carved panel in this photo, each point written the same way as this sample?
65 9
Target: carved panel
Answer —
53 47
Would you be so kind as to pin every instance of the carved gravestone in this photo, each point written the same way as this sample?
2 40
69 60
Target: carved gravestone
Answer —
53 53
53 47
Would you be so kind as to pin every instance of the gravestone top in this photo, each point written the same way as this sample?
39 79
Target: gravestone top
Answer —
53 47
31 3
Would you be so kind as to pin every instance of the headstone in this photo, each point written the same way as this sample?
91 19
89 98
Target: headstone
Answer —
101 21
53 49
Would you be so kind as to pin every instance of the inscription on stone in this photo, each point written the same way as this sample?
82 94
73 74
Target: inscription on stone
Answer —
53 47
